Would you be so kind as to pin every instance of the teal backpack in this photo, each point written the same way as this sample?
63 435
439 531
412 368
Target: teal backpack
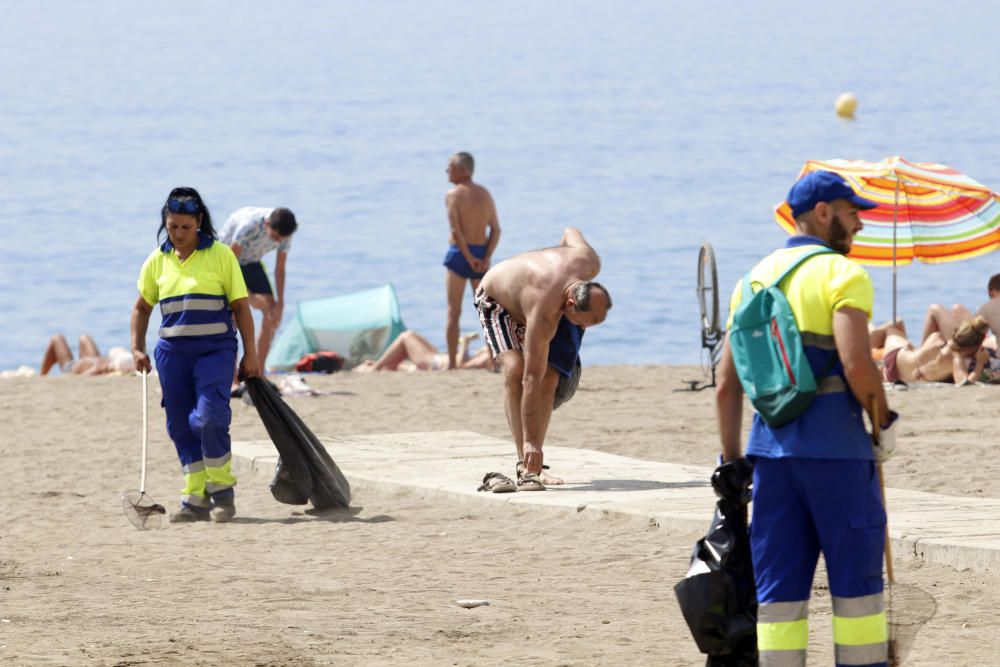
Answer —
768 353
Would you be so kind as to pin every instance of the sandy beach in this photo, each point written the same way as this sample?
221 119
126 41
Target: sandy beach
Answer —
376 584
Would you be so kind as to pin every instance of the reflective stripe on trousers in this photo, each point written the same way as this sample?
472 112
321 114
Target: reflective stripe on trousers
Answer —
783 633
207 477
860 633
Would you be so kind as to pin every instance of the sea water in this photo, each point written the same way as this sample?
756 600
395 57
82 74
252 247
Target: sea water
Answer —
651 126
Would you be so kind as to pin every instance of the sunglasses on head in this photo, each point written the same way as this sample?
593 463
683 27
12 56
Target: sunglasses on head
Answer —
188 206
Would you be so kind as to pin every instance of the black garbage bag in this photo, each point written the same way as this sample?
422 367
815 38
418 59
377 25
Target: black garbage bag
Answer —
718 597
292 486
305 470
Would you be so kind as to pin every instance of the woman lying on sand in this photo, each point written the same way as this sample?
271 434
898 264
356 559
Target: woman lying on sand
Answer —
412 352
937 359
91 362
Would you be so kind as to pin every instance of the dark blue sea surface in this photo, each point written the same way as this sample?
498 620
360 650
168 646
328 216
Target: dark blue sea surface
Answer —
651 126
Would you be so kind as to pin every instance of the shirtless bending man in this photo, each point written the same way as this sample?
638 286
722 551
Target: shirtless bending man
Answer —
534 308
471 213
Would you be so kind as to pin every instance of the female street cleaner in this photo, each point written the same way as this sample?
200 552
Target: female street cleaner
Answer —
199 286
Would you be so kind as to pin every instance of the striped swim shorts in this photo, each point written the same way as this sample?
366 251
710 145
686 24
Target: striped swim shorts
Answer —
500 331
503 333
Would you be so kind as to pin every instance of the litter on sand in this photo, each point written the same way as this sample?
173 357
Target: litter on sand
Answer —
469 604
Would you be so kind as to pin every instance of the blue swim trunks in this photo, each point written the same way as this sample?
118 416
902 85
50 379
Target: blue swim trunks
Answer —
455 261
256 278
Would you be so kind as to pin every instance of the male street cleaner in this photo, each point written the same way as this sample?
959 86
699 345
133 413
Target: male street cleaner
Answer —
815 487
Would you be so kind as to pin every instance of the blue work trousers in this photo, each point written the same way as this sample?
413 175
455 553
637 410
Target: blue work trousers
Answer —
802 507
195 376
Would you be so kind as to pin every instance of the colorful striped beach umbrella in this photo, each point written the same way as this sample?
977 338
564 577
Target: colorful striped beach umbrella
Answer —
925 211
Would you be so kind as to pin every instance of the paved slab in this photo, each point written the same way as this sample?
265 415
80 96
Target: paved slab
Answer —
958 531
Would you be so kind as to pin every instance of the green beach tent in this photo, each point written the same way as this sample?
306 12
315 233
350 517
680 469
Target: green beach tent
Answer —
356 326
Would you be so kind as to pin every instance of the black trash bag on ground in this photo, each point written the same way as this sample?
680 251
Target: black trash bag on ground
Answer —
718 597
305 469
291 488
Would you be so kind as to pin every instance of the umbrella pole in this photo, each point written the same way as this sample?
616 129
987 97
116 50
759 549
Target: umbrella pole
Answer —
895 215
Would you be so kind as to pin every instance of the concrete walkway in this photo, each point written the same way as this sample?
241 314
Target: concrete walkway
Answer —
957 531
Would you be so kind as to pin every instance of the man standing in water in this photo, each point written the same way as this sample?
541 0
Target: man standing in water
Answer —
471 213
534 308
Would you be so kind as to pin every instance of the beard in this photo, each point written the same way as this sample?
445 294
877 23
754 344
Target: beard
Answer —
840 240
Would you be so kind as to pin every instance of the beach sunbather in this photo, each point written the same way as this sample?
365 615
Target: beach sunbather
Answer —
412 352
90 361
944 320
938 359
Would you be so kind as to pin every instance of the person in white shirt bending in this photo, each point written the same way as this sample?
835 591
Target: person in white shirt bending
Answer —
252 232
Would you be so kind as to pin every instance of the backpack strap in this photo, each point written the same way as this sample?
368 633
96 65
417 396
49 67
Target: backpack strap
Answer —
747 283
822 250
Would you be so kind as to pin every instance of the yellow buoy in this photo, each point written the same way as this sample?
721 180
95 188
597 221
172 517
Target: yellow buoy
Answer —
846 105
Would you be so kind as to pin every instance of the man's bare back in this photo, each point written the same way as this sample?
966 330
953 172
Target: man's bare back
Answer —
475 212
539 279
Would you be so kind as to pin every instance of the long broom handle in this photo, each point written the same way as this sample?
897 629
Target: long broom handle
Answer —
145 431
888 542
876 426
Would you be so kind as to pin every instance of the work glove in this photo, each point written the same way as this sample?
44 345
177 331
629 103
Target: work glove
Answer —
885 443
733 480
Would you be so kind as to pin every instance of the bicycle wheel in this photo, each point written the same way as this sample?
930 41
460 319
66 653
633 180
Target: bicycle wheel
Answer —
708 290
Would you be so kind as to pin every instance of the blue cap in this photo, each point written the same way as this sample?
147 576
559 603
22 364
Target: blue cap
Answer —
825 186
